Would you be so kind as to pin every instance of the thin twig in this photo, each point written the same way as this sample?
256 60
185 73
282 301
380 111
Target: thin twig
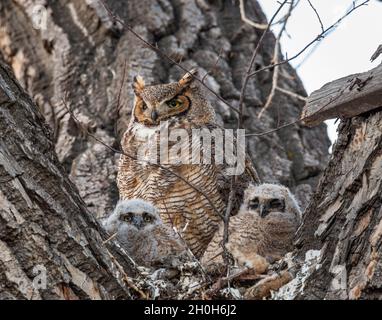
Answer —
110 238
317 44
275 78
129 281
317 38
292 94
214 66
249 68
275 59
318 16
256 25
341 92
295 56
118 107
120 89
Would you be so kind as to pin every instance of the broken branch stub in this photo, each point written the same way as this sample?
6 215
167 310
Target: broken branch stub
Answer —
344 98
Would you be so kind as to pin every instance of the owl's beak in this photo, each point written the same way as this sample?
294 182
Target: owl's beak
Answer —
154 115
263 211
138 222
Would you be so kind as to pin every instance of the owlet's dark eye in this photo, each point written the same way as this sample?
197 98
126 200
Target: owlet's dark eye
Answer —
174 103
254 204
277 204
147 218
127 217
144 106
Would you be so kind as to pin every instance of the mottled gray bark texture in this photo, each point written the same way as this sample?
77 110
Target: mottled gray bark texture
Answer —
79 59
43 222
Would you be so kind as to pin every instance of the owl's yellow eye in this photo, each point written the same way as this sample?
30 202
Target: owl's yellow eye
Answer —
174 103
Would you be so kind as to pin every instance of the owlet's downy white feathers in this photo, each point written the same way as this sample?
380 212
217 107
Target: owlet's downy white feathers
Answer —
195 215
141 232
261 233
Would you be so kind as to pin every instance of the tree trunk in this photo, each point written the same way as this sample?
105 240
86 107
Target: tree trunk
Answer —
46 233
78 60
342 226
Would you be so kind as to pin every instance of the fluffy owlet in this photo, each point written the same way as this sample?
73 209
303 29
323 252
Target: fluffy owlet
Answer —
141 232
196 215
261 233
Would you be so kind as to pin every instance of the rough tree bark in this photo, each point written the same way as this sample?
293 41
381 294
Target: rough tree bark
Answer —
342 226
44 225
80 58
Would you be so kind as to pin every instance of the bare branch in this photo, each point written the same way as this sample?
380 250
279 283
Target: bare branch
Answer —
129 281
275 78
340 93
248 72
317 38
214 66
320 36
318 16
120 89
118 107
275 60
256 25
292 94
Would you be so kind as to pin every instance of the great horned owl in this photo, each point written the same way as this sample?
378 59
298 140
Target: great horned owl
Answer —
261 232
141 232
196 215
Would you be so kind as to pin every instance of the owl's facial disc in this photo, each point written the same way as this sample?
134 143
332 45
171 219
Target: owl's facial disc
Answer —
151 114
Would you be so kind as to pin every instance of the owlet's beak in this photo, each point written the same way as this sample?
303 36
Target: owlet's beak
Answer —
138 222
263 211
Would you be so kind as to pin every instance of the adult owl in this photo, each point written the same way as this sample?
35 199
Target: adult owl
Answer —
194 207
262 231
141 232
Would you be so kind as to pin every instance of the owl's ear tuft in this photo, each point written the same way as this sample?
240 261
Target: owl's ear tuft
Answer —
138 85
188 78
